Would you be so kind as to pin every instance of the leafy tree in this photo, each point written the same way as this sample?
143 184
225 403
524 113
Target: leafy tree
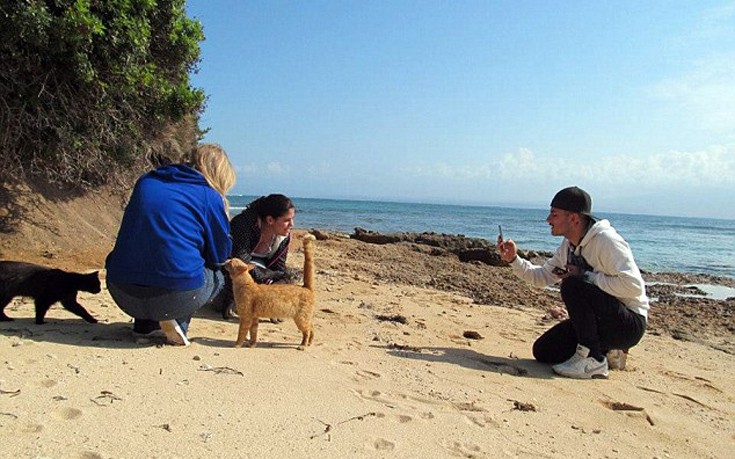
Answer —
89 88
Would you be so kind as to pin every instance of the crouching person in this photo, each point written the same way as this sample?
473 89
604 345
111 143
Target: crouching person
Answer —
601 286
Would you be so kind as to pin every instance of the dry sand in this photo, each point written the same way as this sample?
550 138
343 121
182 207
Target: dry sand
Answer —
367 387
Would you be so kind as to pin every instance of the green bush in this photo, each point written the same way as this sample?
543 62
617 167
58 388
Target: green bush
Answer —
91 88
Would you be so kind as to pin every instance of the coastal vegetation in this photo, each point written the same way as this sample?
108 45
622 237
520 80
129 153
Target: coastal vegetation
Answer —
91 92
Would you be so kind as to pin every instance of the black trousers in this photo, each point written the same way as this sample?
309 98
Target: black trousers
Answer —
597 320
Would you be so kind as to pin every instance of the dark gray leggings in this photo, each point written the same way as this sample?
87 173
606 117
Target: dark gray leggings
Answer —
597 320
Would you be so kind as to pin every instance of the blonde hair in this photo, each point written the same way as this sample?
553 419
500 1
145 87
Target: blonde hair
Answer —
212 162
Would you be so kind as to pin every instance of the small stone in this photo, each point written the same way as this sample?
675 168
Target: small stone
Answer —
471 334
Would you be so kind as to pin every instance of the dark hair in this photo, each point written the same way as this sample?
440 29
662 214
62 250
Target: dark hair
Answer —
273 205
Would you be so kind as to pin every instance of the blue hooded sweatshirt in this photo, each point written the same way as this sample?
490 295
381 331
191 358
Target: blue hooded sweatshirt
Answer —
174 225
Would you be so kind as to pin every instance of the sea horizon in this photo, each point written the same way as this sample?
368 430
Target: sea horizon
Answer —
506 205
659 243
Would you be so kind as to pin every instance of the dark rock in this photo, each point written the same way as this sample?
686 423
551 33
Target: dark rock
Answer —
486 255
394 318
471 334
465 248
319 235
377 238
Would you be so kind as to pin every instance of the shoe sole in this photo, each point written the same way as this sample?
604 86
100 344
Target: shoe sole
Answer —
584 376
578 375
152 334
174 334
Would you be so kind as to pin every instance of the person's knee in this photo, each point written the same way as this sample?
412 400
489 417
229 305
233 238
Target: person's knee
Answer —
557 344
540 353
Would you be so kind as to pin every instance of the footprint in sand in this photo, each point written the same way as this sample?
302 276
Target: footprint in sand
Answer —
68 413
404 418
467 450
366 375
475 415
48 383
381 444
32 428
481 420
375 396
89 455
395 400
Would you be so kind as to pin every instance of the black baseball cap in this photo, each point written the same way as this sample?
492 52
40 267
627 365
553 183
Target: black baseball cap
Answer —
574 199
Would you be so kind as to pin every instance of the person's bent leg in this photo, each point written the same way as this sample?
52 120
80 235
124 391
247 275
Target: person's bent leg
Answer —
620 328
165 305
193 300
583 300
222 294
619 333
557 344
143 325
601 322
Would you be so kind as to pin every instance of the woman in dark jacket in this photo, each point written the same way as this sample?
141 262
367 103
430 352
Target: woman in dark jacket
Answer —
261 234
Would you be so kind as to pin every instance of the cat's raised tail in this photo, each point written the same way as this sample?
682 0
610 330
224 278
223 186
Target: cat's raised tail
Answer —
308 241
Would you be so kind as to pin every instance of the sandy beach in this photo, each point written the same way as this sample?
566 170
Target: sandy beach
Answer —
390 374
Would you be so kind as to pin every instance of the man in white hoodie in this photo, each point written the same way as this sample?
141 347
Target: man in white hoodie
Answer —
601 286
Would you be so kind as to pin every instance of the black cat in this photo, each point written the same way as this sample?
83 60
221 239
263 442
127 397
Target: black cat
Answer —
46 286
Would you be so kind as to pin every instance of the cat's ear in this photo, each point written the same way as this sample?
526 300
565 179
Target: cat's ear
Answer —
228 265
235 266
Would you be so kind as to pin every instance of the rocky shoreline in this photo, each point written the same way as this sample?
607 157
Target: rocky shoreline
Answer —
472 267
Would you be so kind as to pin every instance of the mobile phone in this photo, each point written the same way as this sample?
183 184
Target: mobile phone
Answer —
558 271
500 233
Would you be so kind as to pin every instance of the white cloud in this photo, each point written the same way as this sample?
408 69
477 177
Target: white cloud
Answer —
246 169
675 169
714 166
319 169
271 169
452 171
276 168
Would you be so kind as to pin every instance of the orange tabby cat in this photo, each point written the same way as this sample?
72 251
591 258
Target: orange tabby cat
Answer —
253 300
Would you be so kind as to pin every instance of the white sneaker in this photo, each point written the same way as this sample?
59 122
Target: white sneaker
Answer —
616 358
581 353
581 366
174 334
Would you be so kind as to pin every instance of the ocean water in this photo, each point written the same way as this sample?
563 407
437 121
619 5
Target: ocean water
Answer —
660 244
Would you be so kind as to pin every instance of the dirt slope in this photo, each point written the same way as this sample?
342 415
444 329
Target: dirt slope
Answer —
58 228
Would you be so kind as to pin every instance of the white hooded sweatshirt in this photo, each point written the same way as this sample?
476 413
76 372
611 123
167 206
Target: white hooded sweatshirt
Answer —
614 270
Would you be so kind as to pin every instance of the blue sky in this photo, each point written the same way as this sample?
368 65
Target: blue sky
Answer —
476 102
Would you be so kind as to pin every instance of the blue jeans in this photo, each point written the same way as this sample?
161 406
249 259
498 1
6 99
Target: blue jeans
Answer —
145 303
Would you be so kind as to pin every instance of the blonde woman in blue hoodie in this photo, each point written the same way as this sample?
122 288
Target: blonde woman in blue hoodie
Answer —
173 238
